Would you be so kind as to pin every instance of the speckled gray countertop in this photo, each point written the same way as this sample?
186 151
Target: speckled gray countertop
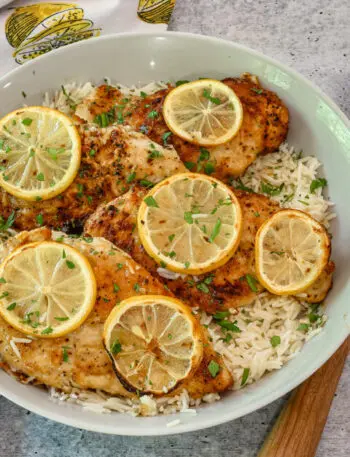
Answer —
313 37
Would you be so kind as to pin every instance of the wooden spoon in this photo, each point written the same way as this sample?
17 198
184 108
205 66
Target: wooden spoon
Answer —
299 427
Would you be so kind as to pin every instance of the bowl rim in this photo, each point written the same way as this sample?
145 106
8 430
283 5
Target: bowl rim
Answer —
270 395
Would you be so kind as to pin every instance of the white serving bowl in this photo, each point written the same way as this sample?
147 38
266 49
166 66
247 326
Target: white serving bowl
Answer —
317 126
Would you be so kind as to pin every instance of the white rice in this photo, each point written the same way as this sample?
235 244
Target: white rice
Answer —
250 352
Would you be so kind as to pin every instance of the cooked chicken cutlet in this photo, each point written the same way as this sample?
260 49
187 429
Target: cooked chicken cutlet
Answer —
264 128
225 287
88 365
112 159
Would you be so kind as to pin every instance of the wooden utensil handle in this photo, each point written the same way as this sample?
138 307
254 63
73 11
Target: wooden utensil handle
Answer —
298 429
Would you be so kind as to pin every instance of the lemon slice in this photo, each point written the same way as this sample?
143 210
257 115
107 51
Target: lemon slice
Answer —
40 152
47 289
154 342
190 223
205 112
291 251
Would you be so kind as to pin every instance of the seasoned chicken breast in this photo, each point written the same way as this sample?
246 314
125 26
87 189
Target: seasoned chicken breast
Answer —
112 159
223 288
264 128
88 365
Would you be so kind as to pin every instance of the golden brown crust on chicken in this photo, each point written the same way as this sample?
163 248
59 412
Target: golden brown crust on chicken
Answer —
109 157
228 286
88 365
264 128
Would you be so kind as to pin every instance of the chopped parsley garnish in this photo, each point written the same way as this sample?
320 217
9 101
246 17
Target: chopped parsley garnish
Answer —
40 219
146 183
213 368
203 287
245 376
120 266
31 153
143 94
92 152
204 154
162 264
187 265
65 356
256 214
47 331
116 288
303 327
150 201
171 237
165 137
188 217
268 189
27 121
61 319
275 341
116 347
64 255
136 287
317 183
257 91
189 165
231 326
2 280
12 306
221 315
153 114
70 264
277 252
252 282
9 222
207 95
209 168
4 294
216 230
54 152
131 177
241 186
40 177
181 81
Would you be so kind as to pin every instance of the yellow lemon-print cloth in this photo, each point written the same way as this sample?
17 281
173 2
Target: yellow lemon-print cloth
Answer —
32 28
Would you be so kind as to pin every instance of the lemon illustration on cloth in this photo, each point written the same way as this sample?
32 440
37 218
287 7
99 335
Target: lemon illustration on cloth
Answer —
155 11
36 29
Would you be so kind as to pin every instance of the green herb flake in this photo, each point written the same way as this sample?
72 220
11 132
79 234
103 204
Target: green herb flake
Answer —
187 265
116 288
153 114
92 152
188 217
65 355
70 264
303 327
165 137
275 341
143 94
181 81
27 121
268 189
207 95
150 201
204 154
240 186
131 177
9 222
189 165
2 280
245 376
252 282
61 319
209 168
146 183
257 91
317 183
116 347
64 255
203 287
136 287
12 306
171 237
213 368
216 231
40 177
40 219
47 331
